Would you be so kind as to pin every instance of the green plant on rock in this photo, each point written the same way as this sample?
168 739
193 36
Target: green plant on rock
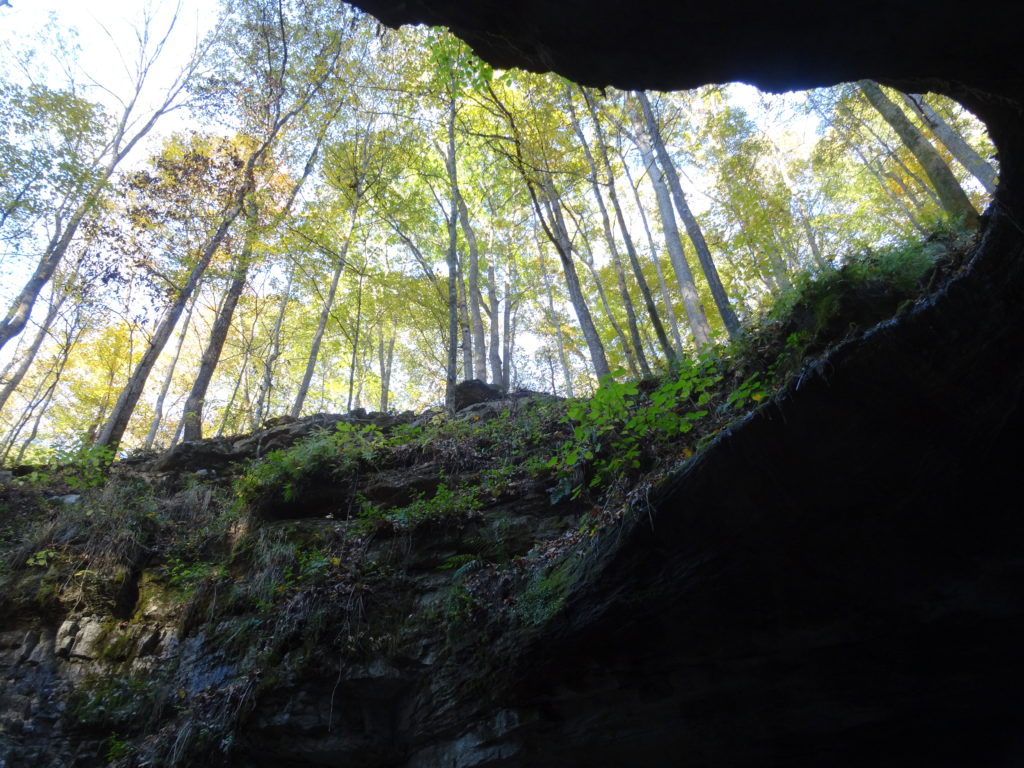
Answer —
613 428
80 466
184 577
117 748
545 592
455 562
447 502
124 703
44 557
873 282
284 471
753 389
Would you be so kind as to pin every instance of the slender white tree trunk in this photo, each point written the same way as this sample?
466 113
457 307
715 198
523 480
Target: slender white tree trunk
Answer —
693 230
954 200
978 167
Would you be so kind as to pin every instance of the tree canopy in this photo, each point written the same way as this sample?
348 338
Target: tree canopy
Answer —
353 217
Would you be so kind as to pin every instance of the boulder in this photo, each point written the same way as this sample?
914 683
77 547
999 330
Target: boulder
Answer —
474 391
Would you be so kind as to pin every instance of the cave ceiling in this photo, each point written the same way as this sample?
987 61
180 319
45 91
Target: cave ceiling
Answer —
784 45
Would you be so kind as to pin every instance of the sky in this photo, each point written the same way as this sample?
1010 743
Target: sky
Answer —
106 34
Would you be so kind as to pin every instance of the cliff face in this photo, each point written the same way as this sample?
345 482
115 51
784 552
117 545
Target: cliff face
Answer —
835 580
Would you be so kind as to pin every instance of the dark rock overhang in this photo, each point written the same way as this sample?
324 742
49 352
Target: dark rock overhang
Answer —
785 45
777 46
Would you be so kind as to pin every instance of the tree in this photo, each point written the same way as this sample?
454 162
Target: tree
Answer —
634 259
695 315
94 168
620 276
354 169
547 204
295 58
193 417
952 196
981 169
419 247
707 264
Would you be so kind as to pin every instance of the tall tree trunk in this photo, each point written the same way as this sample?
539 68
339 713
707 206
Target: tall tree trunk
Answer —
116 425
193 416
613 250
954 200
894 156
325 313
732 324
634 260
780 265
242 371
158 409
475 299
495 354
879 177
547 205
465 339
666 299
812 238
21 308
267 379
587 257
112 432
801 208
559 235
979 168
556 321
355 340
40 399
386 362
452 259
507 341
44 404
193 413
25 359
695 315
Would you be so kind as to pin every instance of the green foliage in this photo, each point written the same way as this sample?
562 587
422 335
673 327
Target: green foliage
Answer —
118 748
456 562
283 472
865 287
88 466
184 577
615 426
545 593
753 389
446 502
43 558
113 701
48 149
281 561
454 65
80 466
